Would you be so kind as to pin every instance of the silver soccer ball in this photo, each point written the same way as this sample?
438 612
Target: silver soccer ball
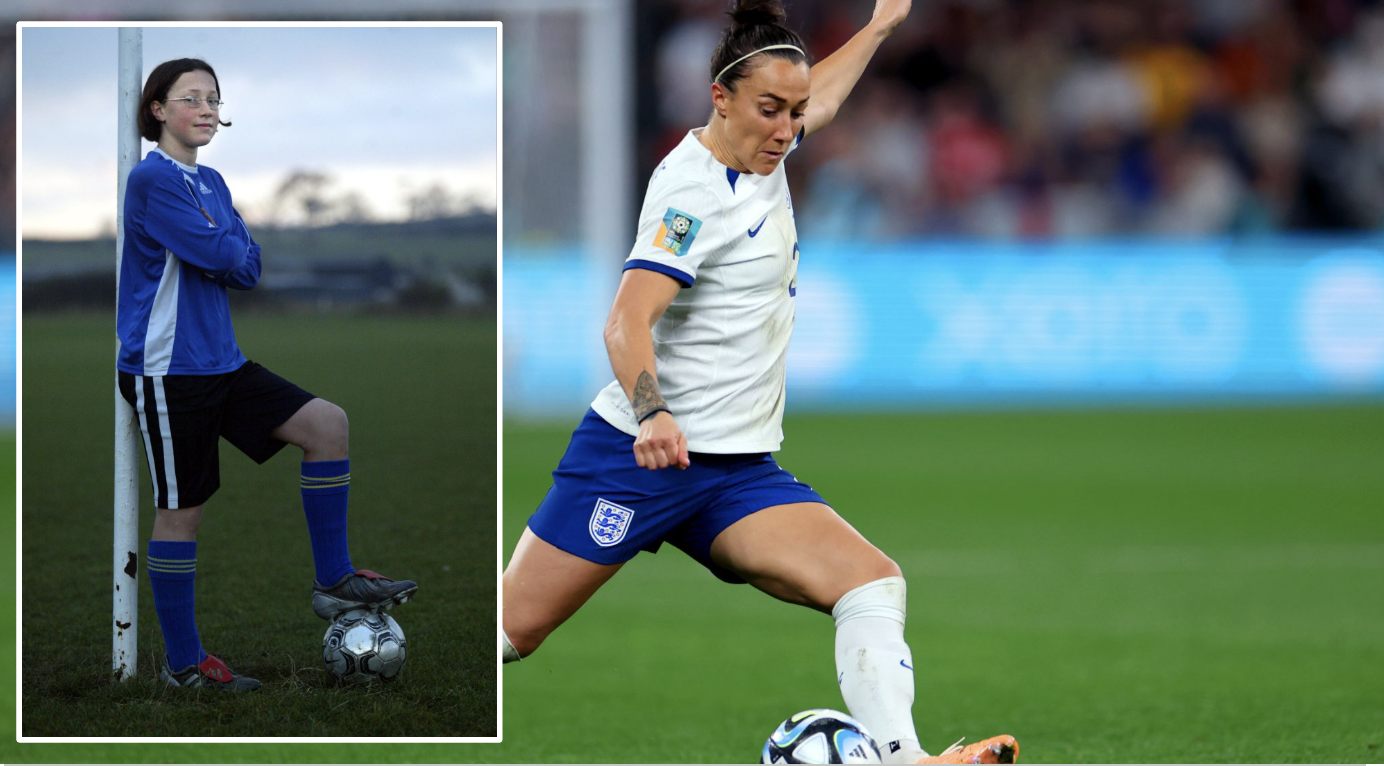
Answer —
363 646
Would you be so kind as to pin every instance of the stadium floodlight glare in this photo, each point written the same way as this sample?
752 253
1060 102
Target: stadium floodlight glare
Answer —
125 558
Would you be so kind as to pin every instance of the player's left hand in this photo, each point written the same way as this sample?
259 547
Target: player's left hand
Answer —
890 13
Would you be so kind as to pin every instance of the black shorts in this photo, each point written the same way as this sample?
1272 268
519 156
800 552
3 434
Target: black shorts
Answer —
183 417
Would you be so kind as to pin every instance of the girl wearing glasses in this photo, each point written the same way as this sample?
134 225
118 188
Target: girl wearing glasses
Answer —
180 368
678 447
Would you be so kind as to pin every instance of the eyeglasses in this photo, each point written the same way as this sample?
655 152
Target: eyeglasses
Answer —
196 101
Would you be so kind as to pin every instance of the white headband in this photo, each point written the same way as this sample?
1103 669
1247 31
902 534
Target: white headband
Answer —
761 50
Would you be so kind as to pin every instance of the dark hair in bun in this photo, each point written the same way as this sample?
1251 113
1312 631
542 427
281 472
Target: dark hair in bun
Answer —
754 24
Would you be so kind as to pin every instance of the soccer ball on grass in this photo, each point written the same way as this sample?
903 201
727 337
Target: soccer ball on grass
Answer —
363 646
820 736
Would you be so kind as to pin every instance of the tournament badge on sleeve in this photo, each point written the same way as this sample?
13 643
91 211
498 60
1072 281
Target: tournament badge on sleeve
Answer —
677 231
609 523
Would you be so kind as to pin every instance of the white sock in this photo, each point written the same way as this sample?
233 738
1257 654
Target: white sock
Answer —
875 668
507 652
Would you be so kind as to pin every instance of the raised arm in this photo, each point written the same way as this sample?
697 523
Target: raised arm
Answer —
641 299
835 76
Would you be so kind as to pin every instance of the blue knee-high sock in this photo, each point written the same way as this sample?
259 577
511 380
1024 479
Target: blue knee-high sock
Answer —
326 485
172 569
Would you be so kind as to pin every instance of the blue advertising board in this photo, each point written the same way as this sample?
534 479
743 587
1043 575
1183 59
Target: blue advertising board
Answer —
967 324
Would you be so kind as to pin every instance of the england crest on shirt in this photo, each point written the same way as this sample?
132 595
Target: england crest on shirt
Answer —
609 523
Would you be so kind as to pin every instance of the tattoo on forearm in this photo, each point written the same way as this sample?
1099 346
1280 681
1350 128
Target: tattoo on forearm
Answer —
647 399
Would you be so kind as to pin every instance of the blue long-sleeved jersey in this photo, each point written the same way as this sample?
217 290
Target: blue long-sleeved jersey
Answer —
184 245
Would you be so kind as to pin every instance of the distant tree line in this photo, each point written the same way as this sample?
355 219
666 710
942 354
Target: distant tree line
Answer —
309 198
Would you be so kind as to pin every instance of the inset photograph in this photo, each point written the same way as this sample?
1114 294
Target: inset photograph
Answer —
259 288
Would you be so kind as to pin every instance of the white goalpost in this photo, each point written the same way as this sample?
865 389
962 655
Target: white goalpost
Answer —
125 561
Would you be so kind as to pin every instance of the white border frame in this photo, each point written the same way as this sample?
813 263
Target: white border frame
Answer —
19 377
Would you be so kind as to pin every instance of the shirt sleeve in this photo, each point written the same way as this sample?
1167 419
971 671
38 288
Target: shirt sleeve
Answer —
678 230
174 218
247 276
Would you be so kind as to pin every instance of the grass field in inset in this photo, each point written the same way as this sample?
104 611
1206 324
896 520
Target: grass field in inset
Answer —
420 395
1110 586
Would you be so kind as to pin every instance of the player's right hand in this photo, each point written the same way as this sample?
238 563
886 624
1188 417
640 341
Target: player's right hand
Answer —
661 444
891 13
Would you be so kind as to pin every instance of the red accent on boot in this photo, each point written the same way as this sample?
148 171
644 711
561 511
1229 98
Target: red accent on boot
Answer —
213 668
373 575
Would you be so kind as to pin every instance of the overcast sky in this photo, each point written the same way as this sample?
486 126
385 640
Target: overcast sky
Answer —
384 111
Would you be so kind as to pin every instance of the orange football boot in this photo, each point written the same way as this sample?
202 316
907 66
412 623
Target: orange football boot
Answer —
1001 749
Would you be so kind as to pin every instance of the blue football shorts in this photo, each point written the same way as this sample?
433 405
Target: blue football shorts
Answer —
604 508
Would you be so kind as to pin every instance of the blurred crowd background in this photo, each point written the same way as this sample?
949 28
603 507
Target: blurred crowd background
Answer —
1037 202
1069 118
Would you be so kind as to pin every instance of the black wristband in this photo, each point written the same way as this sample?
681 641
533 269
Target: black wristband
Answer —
653 412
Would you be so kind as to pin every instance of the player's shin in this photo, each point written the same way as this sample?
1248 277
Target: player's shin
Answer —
875 667
326 488
172 571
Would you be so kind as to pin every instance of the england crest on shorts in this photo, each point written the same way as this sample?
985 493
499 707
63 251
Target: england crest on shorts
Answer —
609 523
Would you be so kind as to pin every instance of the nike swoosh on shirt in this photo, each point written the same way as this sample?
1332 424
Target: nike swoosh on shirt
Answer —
756 229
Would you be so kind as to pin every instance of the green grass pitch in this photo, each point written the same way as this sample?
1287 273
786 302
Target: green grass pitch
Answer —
420 395
1152 586
1156 586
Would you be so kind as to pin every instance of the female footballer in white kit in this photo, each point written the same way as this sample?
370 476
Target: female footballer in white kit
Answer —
677 448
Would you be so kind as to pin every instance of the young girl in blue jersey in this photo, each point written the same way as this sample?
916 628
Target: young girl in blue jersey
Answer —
677 448
180 368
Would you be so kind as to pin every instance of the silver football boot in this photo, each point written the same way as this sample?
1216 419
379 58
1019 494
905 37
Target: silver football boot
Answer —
361 589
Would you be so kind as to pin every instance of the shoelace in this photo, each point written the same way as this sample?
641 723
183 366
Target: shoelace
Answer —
955 747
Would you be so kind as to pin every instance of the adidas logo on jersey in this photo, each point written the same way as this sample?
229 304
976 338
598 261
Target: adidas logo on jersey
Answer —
203 188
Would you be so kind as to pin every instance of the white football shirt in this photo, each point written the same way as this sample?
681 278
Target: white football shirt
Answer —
729 239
